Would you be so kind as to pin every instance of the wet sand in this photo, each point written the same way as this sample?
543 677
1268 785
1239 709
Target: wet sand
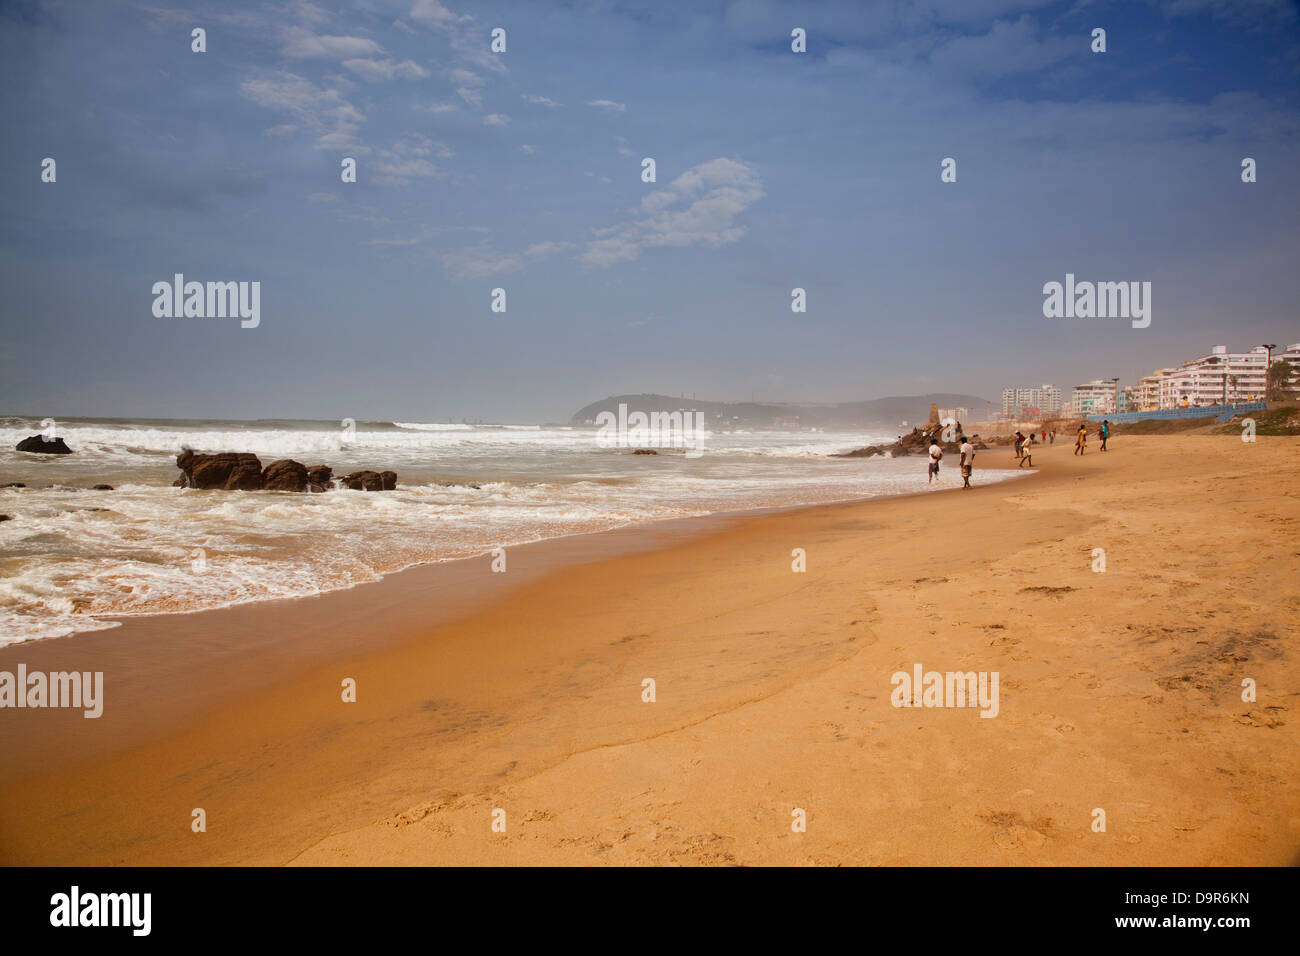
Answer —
1119 691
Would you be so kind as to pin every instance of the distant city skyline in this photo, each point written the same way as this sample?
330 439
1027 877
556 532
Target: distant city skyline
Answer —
522 170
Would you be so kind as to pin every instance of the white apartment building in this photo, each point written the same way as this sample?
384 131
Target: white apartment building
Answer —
1149 389
1291 355
1046 398
1097 397
1222 377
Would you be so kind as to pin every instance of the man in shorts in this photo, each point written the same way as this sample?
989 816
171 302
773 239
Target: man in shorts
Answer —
936 453
967 460
1027 452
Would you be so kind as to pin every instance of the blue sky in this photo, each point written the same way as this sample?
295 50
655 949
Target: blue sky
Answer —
522 171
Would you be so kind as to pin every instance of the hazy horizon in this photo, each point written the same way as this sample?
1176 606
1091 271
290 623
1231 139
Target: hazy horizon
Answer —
522 170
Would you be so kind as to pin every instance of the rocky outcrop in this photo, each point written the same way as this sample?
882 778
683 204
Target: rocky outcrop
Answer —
370 480
228 471
102 488
238 471
13 484
5 518
916 442
319 478
645 451
285 475
38 445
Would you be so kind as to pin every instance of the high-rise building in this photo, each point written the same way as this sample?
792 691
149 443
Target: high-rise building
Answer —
1292 357
1220 378
1098 397
1045 398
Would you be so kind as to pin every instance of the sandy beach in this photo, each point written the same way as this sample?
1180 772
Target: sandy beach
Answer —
1120 690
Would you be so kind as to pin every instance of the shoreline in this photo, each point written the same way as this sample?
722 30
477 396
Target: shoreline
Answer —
145 645
526 691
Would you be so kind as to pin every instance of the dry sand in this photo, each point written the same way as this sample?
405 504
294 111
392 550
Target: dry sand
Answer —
1119 690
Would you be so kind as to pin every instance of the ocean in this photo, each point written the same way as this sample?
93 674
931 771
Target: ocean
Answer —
72 559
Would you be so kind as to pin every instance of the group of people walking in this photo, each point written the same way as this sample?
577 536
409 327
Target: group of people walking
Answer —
1024 449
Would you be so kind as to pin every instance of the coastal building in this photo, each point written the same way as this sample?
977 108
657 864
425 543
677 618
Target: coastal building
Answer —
1149 389
1222 377
956 414
1097 397
1045 399
1292 357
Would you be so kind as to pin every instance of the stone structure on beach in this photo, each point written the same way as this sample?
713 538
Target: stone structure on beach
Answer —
37 444
241 471
917 442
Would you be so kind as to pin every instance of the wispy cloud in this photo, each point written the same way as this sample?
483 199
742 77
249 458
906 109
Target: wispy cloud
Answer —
385 69
608 105
540 100
701 206
323 110
496 119
303 44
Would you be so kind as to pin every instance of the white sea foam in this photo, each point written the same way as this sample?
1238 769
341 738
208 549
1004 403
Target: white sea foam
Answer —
72 558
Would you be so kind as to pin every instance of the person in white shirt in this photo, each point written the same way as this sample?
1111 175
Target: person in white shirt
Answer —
967 460
1027 452
936 453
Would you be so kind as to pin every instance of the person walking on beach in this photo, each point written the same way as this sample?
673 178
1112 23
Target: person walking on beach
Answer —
1104 432
1052 437
1027 452
1081 443
967 460
1020 440
936 453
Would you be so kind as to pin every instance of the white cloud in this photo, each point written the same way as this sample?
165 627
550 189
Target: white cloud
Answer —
700 206
433 14
609 105
437 108
322 197
528 149
496 119
385 69
465 77
479 263
302 44
540 100
471 96
405 160
323 110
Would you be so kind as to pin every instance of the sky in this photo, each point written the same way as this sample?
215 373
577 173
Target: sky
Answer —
522 170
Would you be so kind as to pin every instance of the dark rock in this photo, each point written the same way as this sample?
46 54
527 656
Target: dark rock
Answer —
14 484
319 478
363 481
5 518
285 475
40 446
102 488
230 471
389 479
645 451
